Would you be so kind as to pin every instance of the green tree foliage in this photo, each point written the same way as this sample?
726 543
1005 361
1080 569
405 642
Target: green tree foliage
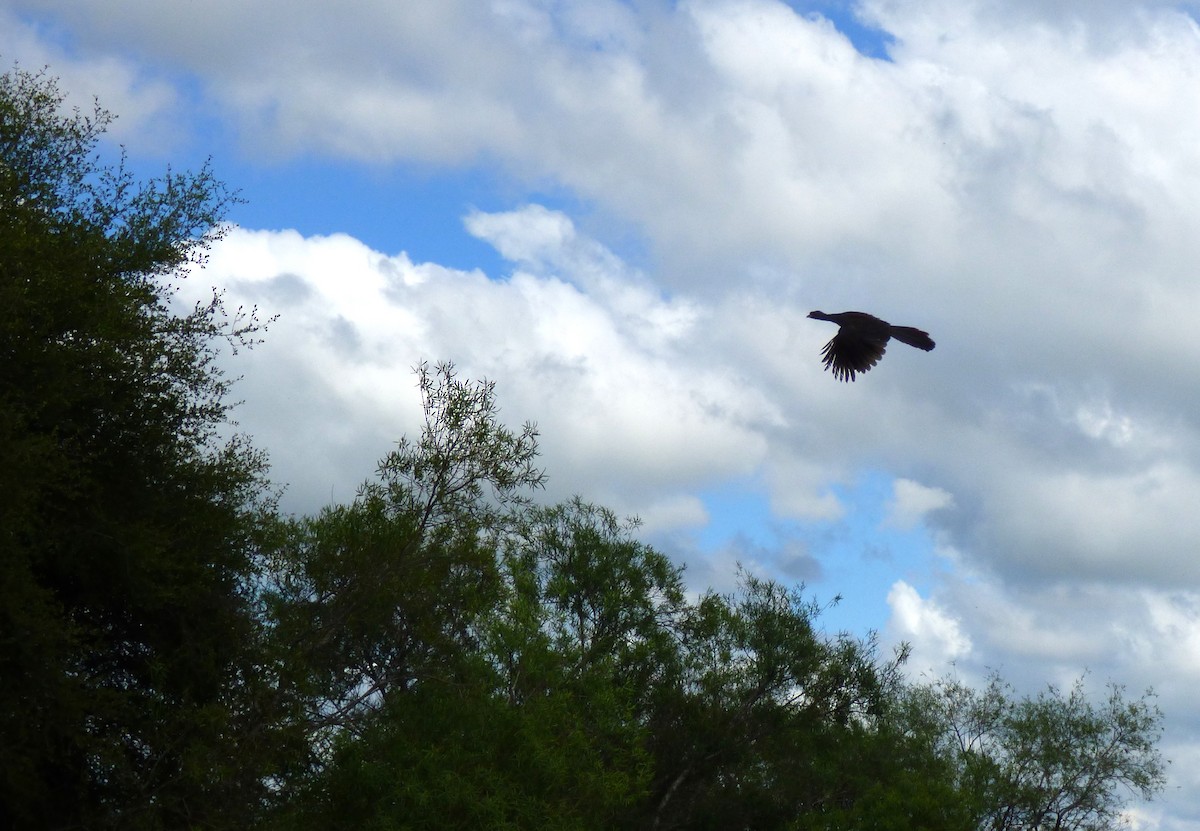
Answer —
127 529
484 662
526 728
1050 761
494 663
368 598
774 725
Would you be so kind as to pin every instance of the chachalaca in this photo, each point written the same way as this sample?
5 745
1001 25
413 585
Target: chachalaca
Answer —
862 340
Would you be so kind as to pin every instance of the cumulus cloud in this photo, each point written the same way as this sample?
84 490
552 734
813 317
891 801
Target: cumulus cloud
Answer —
1138 521
145 106
936 638
1041 231
911 501
618 379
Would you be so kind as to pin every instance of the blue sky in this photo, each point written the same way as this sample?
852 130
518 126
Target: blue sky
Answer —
622 212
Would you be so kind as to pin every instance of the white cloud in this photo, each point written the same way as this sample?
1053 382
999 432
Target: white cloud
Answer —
1138 521
1040 230
1171 636
620 382
145 107
669 514
937 639
911 501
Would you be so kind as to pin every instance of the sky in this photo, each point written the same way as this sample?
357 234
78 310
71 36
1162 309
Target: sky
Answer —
622 212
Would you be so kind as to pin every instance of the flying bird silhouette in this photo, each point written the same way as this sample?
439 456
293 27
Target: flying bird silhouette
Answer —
861 341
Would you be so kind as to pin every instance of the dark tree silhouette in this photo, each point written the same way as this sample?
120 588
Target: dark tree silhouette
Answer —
862 340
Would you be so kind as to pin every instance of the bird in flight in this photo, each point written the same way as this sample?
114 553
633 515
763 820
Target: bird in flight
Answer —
861 341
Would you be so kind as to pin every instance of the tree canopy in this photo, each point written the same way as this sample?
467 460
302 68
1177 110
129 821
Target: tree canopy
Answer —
127 526
1053 760
444 651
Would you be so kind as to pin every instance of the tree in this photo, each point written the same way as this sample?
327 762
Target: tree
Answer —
366 599
475 660
1047 761
531 724
773 724
128 529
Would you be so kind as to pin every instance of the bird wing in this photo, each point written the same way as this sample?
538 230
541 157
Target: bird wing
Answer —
849 352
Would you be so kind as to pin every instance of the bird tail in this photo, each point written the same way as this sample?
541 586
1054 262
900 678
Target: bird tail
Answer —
913 337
